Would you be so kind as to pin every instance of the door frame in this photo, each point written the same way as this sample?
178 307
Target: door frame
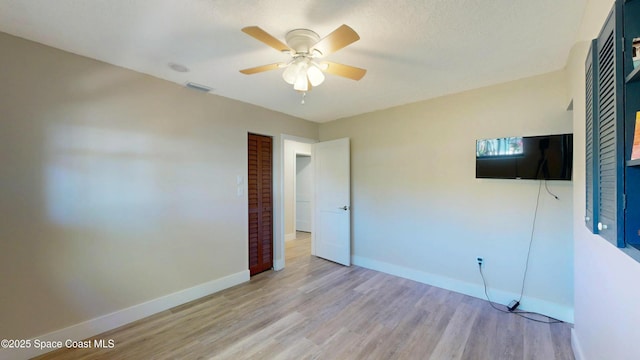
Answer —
295 188
279 218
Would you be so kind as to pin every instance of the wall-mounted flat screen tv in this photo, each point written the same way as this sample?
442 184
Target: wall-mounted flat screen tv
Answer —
548 157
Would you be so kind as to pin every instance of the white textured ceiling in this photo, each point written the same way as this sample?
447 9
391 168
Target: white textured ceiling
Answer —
413 50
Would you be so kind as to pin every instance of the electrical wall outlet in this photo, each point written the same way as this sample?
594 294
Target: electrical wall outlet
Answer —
480 261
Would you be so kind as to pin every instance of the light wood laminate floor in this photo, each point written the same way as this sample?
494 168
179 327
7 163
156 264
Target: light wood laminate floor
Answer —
315 309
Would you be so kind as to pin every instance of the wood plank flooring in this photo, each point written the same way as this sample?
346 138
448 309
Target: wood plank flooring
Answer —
315 309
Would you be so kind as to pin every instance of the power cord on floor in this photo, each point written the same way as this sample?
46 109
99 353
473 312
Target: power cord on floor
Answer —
519 313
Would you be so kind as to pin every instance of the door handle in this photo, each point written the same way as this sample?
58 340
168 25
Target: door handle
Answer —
345 208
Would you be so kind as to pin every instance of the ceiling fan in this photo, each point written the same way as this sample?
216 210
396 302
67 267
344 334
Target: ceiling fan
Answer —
305 69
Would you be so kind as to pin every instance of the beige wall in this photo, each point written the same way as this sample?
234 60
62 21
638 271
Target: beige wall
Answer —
116 187
606 278
419 212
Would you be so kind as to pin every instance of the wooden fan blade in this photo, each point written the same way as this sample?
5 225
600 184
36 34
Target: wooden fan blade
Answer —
350 72
265 37
259 69
335 41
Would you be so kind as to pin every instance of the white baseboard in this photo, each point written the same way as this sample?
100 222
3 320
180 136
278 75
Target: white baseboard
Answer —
575 345
118 318
289 237
558 311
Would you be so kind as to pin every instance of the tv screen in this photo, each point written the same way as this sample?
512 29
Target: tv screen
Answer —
548 157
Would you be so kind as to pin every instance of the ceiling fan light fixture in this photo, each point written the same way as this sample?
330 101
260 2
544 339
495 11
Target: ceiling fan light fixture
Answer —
297 68
290 74
316 77
302 83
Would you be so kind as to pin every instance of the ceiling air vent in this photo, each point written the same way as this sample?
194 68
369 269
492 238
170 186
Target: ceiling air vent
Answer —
198 87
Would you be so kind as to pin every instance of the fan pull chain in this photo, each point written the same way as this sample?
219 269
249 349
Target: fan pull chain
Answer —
303 96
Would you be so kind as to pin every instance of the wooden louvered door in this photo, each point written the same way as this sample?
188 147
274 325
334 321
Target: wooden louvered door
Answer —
610 130
260 193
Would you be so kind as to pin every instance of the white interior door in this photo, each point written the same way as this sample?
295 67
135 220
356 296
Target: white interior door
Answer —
332 208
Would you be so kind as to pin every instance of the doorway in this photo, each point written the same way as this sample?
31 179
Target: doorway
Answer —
298 196
300 246
330 219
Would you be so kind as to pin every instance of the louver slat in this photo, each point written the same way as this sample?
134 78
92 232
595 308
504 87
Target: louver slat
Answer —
591 187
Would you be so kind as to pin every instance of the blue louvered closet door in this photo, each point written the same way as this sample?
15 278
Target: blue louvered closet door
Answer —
610 130
612 106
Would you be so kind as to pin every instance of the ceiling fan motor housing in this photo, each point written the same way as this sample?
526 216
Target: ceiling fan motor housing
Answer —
302 40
